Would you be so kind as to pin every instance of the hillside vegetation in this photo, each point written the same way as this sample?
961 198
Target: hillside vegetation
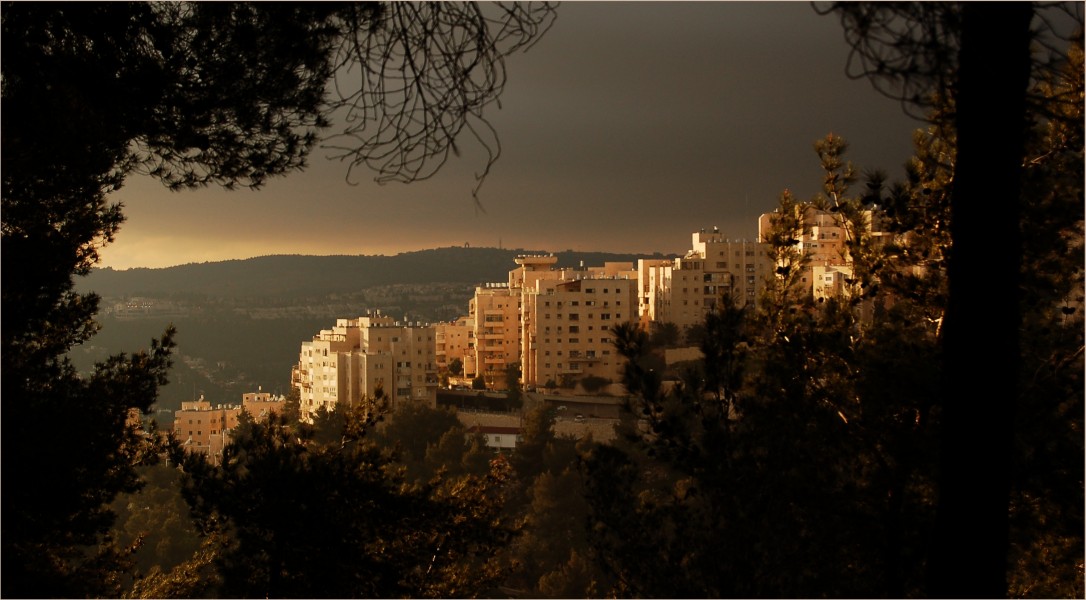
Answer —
240 322
295 277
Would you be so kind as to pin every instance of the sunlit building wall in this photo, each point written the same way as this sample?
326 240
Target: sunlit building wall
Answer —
569 337
322 369
205 428
496 312
825 243
683 290
351 361
456 340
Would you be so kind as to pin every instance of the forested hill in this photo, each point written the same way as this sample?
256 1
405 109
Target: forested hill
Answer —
294 276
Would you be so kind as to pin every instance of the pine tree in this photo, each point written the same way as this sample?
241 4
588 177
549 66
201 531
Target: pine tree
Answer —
192 94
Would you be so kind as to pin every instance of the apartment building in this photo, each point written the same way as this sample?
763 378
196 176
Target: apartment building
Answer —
825 242
495 310
569 333
343 365
528 321
456 341
205 428
684 289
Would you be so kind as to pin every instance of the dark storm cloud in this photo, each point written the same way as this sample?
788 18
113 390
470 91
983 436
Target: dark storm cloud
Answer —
627 127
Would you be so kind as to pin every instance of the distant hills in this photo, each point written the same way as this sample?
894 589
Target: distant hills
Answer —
240 322
295 276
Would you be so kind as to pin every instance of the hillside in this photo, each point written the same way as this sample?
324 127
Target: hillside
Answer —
240 322
294 277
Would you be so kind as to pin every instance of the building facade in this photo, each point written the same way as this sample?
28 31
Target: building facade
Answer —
205 428
569 333
825 243
552 324
495 311
456 341
684 289
341 366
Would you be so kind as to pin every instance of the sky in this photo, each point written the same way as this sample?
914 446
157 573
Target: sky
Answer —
627 127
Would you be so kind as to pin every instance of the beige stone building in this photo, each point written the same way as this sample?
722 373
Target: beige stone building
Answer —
555 323
456 340
550 322
684 289
825 243
352 360
568 335
495 310
205 428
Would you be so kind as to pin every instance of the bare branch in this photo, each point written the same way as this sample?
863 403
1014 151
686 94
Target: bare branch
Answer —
410 79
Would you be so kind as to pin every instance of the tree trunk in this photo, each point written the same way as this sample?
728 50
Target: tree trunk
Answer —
969 553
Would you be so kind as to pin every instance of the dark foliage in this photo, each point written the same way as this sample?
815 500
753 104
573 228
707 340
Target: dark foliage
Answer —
341 522
192 94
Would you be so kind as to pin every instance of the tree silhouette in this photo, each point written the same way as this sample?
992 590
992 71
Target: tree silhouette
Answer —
978 60
192 94
341 522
